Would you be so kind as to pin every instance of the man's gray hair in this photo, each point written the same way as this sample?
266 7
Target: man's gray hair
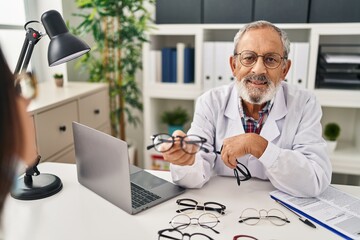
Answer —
263 24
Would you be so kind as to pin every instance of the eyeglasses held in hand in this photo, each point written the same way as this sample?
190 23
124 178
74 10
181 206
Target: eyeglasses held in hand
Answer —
251 216
190 144
175 234
26 85
187 206
240 168
249 58
205 220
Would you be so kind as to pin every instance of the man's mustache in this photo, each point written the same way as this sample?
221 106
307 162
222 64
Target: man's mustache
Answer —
257 77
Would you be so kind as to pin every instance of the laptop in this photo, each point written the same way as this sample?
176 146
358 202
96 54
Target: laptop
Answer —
102 163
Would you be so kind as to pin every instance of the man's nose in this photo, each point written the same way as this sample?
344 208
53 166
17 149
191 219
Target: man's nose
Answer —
259 66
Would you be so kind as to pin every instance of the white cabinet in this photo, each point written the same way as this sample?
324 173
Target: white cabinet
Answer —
54 110
342 106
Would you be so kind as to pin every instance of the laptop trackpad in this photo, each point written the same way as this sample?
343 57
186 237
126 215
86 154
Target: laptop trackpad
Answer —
146 180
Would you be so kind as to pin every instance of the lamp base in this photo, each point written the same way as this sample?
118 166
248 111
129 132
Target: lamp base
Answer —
41 186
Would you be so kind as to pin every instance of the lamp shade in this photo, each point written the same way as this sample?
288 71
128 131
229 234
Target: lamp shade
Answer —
63 46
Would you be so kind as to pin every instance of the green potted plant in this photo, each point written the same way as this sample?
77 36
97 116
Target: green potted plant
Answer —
118 29
331 134
175 119
59 79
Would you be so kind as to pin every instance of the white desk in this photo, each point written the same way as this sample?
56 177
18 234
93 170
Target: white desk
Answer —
77 213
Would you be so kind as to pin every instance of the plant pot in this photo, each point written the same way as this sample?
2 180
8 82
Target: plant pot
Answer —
59 82
172 128
331 145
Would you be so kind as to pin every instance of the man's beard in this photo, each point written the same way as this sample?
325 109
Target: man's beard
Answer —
255 95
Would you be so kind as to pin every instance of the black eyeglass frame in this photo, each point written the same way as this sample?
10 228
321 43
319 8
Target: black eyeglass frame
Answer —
161 234
246 173
172 140
257 56
181 201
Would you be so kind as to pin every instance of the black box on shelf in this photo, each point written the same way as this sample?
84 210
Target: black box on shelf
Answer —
178 11
281 11
227 11
338 66
323 11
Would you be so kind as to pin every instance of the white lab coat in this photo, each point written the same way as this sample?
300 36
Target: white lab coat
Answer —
295 159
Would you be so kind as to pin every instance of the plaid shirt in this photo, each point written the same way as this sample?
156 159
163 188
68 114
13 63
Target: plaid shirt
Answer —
250 124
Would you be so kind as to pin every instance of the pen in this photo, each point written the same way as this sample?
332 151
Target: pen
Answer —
301 218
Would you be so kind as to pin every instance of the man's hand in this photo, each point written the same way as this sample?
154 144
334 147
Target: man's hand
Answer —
176 154
240 145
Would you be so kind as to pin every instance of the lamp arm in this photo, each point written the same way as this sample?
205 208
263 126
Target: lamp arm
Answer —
31 38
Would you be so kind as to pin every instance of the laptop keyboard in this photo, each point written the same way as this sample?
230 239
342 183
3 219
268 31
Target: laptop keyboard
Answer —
141 196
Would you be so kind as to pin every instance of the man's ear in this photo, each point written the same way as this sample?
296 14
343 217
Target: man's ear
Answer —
286 69
232 61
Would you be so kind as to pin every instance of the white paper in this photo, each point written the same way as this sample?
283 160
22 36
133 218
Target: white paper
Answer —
334 208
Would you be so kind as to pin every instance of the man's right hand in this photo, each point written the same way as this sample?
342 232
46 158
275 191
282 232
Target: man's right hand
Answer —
176 155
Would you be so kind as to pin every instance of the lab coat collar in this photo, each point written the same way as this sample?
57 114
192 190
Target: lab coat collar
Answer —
270 130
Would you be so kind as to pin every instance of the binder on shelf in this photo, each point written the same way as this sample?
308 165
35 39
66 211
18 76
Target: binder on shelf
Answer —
229 77
180 51
165 64
189 65
173 65
222 65
291 56
208 75
155 66
301 61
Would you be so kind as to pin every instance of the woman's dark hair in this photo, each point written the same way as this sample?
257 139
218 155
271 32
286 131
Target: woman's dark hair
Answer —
10 129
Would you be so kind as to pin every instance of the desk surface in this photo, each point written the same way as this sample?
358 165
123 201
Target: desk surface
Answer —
77 213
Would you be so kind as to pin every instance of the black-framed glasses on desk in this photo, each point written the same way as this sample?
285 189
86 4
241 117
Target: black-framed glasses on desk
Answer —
244 237
188 205
191 144
175 234
241 172
205 220
251 216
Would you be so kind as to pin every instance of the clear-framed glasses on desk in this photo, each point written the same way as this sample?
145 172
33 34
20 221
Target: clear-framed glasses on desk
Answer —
205 220
175 234
188 206
191 144
251 216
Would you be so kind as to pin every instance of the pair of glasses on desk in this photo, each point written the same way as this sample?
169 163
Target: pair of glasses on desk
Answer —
188 206
192 144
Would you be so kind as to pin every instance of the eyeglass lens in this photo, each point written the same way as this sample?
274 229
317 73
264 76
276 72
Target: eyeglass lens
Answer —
190 144
206 220
175 234
252 216
249 58
189 206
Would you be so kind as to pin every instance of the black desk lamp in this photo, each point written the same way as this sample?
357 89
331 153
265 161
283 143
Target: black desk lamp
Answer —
63 47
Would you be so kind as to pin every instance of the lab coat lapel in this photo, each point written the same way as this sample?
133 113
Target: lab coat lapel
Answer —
270 130
234 126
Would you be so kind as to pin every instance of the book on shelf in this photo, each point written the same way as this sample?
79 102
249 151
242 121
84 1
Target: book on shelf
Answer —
177 64
189 65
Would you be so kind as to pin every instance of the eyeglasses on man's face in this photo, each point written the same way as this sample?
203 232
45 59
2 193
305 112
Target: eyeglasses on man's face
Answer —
251 216
188 206
205 220
26 85
175 234
249 58
190 144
